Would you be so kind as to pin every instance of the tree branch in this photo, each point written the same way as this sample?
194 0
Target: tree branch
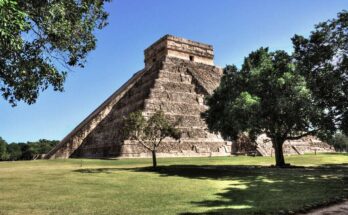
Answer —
159 142
143 144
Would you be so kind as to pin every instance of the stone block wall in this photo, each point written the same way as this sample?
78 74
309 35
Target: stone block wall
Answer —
309 144
171 46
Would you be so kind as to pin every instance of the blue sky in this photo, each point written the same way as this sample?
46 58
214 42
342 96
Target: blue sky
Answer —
233 27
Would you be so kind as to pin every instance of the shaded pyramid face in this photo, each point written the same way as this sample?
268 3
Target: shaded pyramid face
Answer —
178 74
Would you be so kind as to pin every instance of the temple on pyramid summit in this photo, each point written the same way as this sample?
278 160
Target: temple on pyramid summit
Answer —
178 74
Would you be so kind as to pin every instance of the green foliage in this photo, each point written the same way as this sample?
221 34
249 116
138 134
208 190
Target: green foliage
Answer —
322 59
31 149
287 97
339 142
266 95
25 151
149 132
14 151
41 40
134 126
3 150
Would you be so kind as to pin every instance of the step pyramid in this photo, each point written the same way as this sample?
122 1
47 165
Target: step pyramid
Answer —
178 74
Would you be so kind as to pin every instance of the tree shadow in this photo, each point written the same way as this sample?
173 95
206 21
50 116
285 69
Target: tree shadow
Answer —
257 189
335 153
97 170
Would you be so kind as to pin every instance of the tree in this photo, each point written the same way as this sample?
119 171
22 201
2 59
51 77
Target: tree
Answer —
14 151
42 146
149 132
340 142
3 150
322 59
41 40
266 95
27 151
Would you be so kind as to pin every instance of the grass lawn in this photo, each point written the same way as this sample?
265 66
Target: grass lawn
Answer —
235 185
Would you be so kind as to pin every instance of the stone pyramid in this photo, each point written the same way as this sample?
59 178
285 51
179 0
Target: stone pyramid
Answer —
178 74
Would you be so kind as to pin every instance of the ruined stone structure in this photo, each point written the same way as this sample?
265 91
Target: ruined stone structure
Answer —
178 74
309 144
263 146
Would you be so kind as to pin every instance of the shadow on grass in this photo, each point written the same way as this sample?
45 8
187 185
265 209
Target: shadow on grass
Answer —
256 189
335 153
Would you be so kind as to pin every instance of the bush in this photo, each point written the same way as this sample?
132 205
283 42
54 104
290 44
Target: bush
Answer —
339 142
15 151
3 150
25 151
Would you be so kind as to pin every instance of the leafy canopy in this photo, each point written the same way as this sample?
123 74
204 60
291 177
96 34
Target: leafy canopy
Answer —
149 132
287 97
25 151
3 150
340 142
322 59
41 40
266 95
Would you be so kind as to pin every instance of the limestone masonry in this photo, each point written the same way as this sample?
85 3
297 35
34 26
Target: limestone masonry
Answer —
178 74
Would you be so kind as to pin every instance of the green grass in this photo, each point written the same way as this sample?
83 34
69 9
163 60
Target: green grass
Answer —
235 185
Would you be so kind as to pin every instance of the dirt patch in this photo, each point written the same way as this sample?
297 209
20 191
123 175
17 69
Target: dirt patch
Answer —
337 209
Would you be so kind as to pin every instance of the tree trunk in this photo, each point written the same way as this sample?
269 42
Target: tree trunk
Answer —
154 161
278 152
